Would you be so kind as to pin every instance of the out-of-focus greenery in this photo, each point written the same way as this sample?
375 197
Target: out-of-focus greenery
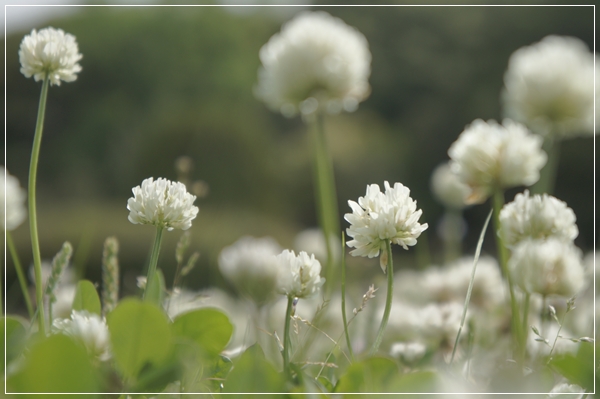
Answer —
159 83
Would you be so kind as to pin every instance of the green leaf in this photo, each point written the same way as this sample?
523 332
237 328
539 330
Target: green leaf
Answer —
139 334
578 369
253 373
86 297
56 364
156 291
209 328
371 375
15 333
417 382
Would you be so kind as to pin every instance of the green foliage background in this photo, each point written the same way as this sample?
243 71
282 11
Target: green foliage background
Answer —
158 83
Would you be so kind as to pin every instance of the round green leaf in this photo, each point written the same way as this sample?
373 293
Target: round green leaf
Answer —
371 375
15 333
209 328
86 297
56 364
253 373
139 334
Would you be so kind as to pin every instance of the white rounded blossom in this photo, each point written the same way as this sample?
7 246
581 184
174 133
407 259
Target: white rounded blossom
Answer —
50 53
13 199
448 188
299 276
488 156
89 329
549 86
378 217
566 391
315 62
250 265
547 267
538 217
162 203
408 352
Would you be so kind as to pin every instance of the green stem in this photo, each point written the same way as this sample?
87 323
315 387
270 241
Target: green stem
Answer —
326 198
348 342
470 289
548 173
35 244
503 258
524 326
286 337
388 300
154 258
20 275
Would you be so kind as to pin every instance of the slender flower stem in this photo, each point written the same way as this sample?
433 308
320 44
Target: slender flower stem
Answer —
524 326
470 289
326 198
388 300
348 342
548 174
154 258
35 244
20 275
503 258
286 337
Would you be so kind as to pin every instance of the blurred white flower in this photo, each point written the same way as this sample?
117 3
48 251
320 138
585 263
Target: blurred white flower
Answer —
549 86
547 267
378 216
566 391
315 62
250 265
89 329
409 353
448 188
451 282
163 203
312 241
299 276
14 198
52 53
538 217
488 155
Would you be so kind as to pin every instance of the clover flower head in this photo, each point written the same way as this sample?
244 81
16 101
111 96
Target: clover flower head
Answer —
315 62
50 53
448 188
162 203
549 86
487 156
13 197
299 276
379 216
89 329
250 265
537 217
408 352
547 267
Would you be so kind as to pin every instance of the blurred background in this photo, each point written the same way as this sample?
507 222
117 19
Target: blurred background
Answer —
159 83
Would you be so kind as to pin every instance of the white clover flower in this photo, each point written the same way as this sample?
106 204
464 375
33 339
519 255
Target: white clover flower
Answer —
89 329
451 282
162 203
250 265
315 62
299 276
408 352
448 188
547 267
537 217
487 156
566 391
50 53
549 86
13 198
378 216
